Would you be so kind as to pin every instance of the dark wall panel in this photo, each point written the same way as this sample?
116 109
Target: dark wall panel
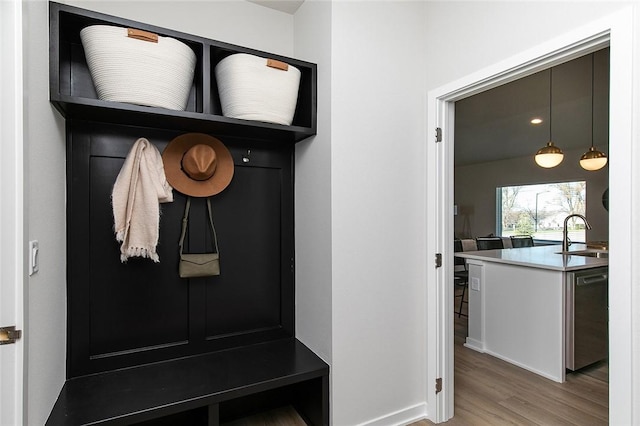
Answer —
139 303
124 314
243 297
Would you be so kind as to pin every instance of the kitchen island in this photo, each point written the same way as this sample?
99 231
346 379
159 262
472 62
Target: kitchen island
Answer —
518 303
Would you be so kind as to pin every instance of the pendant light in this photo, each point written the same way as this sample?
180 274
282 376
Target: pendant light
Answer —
550 155
593 159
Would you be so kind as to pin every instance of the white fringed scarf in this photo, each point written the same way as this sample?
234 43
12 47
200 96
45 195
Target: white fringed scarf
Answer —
139 187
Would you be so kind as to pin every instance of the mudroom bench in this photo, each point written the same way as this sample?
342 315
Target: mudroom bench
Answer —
207 389
145 346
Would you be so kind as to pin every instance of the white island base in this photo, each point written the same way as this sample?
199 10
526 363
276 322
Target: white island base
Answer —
517 305
516 313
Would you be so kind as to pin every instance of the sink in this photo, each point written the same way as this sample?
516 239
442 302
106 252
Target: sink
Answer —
601 254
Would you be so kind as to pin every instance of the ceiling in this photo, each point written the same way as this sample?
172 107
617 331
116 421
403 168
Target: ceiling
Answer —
495 124
287 6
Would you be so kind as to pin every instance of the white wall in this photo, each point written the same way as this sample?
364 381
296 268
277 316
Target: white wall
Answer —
466 36
378 111
312 28
359 207
475 191
231 21
235 22
45 221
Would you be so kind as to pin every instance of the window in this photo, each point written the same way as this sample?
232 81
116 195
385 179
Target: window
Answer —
540 210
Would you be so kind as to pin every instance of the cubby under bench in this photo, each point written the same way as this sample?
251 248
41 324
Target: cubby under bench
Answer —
207 389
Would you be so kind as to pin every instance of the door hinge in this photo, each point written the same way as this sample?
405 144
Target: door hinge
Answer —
438 260
9 335
438 385
438 134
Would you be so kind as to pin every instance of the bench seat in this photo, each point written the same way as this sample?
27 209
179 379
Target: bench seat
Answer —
224 384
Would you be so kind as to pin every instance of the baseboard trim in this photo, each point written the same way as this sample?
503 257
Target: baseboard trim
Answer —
401 417
474 344
559 378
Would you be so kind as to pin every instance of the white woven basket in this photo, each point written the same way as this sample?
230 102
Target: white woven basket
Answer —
255 88
126 67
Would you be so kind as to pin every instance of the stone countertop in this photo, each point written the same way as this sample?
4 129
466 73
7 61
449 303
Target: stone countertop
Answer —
543 257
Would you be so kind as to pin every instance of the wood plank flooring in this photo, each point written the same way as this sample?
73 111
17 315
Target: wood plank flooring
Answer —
489 391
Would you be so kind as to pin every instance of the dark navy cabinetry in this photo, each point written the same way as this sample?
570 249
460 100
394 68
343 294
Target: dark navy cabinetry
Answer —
73 94
144 345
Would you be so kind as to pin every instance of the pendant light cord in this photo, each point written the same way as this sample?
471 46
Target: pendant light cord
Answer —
550 101
592 97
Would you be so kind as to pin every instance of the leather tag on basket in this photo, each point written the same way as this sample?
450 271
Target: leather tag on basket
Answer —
277 64
142 35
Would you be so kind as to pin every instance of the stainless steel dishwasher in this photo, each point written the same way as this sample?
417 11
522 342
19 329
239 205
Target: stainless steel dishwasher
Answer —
587 317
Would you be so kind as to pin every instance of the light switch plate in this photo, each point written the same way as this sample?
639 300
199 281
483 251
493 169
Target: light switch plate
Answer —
33 256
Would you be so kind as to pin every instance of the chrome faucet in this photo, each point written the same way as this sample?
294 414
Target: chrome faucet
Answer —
565 237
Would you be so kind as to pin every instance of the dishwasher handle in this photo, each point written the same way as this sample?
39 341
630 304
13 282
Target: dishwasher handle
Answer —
591 280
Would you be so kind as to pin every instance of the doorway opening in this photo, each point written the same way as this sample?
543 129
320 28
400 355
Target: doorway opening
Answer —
610 31
506 194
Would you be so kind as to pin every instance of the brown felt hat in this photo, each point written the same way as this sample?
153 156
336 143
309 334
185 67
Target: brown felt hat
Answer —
198 165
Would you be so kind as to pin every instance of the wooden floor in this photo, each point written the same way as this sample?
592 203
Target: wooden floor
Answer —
489 391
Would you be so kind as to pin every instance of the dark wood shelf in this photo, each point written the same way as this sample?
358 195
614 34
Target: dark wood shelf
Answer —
74 96
136 115
152 391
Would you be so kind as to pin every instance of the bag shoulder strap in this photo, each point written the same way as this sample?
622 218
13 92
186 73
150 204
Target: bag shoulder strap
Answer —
213 229
185 221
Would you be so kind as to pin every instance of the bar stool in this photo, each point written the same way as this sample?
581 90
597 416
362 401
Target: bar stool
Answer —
489 243
518 241
460 276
